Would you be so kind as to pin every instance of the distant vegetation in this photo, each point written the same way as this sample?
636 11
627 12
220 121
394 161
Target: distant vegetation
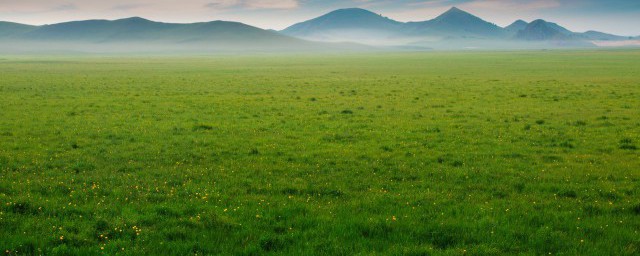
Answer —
510 153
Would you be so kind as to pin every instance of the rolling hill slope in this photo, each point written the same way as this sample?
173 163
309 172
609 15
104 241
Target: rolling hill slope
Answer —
353 25
453 29
10 29
138 29
540 30
456 23
343 19
141 35
344 29
515 27
599 36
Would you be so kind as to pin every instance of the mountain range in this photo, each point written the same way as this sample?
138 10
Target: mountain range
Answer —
141 35
453 29
344 29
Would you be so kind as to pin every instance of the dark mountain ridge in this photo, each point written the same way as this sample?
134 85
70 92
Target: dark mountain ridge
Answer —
540 30
455 25
344 19
139 29
350 29
8 29
516 26
137 34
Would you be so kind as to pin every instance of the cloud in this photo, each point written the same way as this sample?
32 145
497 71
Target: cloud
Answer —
272 4
127 7
253 4
223 4
65 7
510 5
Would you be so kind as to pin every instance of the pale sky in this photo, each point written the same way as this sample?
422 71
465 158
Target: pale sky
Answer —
612 16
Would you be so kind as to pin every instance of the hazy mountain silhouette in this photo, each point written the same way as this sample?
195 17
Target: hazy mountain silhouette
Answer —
453 23
139 29
354 24
595 35
554 34
138 34
515 27
540 30
544 30
454 29
353 18
456 23
8 29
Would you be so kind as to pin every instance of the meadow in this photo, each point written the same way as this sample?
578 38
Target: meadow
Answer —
436 153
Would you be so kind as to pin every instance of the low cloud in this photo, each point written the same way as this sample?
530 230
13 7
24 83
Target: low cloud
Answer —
223 4
253 4
65 7
510 5
127 7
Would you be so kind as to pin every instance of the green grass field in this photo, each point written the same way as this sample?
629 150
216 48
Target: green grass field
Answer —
393 154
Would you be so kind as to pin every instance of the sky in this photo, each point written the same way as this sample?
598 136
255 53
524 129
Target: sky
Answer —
620 17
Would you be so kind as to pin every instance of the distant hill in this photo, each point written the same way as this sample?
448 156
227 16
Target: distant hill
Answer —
515 27
363 26
456 23
344 29
540 30
453 29
599 36
355 25
139 29
553 34
344 19
8 29
349 23
138 34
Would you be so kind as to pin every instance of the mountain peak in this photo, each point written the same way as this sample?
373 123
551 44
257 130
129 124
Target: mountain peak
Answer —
341 20
540 30
457 15
455 9
517 26
541 22
519 22
134 19
538 21
352 13
456 22
351 10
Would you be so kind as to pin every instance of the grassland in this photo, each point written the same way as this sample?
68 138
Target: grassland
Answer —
401 154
